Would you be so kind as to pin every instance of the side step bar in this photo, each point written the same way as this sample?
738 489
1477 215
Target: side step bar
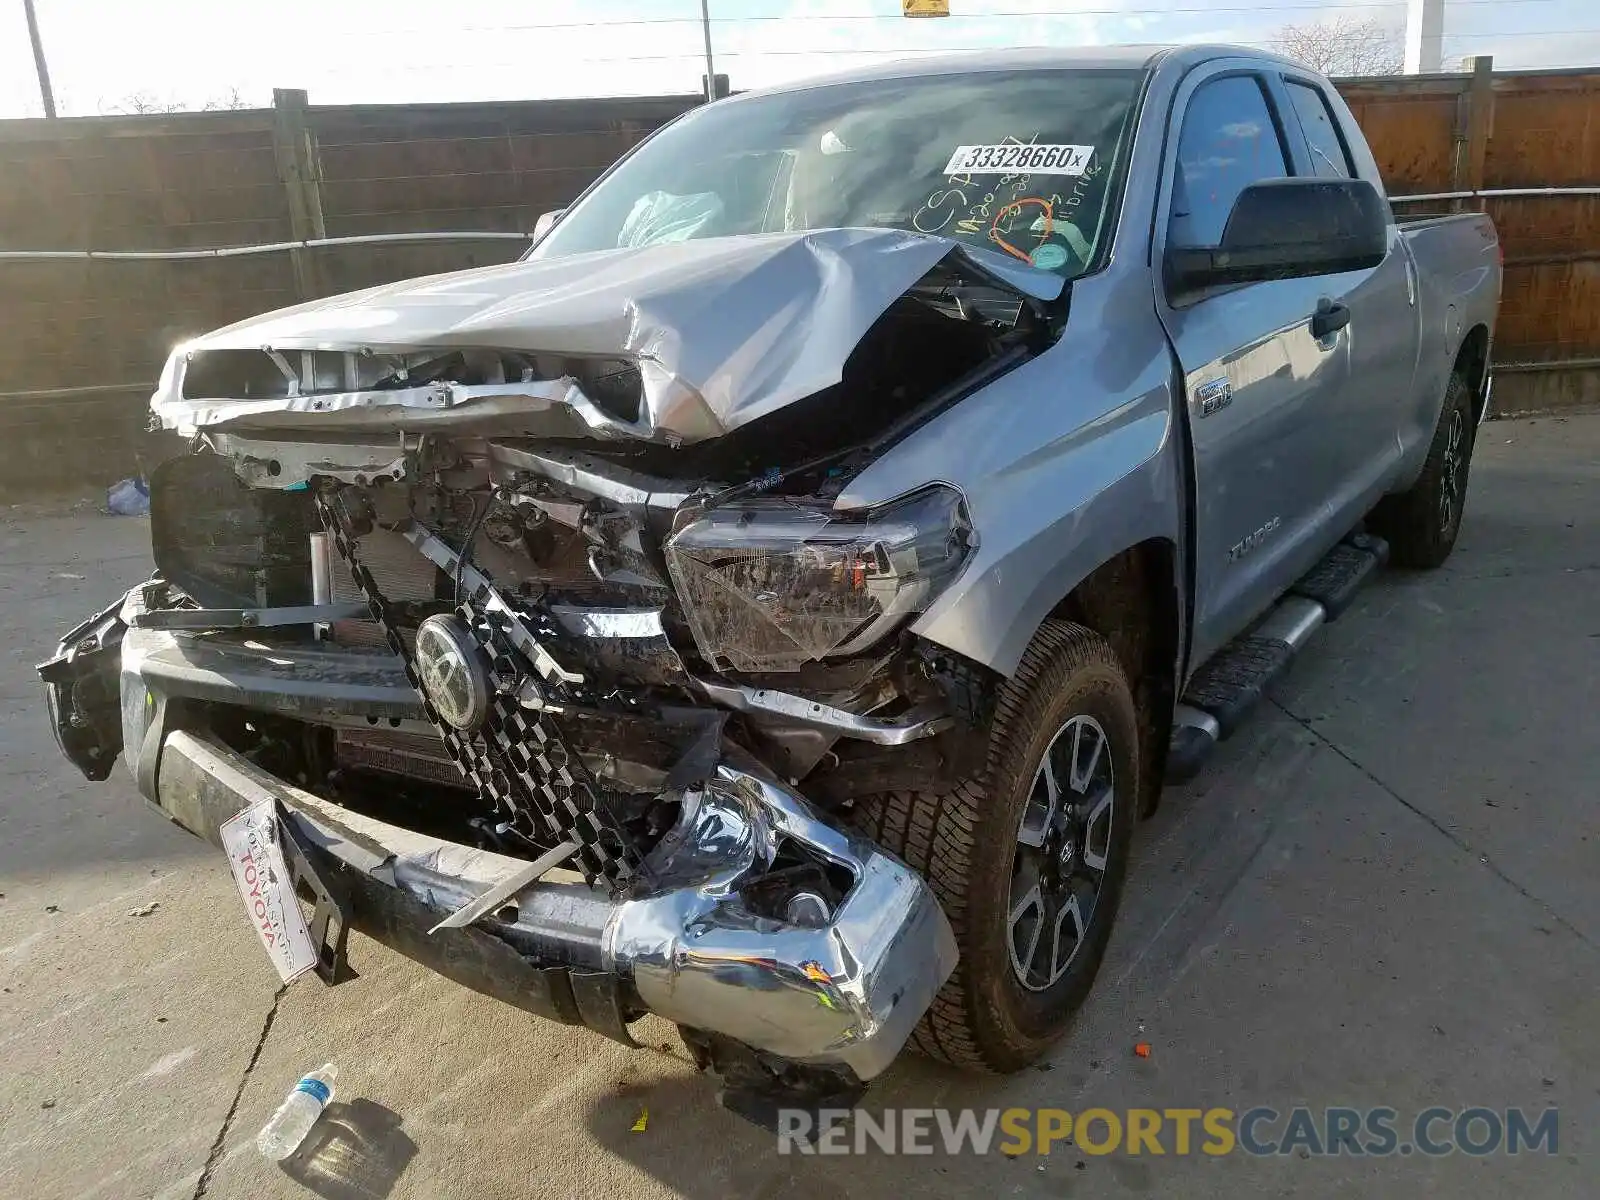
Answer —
1234 680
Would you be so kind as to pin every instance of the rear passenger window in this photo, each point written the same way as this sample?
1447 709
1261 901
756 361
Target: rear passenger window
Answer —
1328 155
1229 141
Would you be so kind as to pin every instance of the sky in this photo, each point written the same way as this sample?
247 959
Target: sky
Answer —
105 54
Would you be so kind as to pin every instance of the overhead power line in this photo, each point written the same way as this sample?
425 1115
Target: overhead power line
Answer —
960 18
847 52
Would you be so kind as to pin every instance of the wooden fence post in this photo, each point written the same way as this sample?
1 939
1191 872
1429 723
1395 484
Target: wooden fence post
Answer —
300 169
1479 128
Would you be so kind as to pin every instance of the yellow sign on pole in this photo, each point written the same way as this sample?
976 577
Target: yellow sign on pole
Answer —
925 8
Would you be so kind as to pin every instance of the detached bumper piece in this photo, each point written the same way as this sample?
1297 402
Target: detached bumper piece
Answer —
358 863
82 693
795 957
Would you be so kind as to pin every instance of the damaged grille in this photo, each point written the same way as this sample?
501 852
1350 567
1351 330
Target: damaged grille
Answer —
518 761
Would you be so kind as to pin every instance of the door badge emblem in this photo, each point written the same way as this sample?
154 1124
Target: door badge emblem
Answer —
1214 396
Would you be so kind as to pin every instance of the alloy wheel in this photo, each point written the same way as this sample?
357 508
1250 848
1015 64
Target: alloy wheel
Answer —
1452 472
1063 840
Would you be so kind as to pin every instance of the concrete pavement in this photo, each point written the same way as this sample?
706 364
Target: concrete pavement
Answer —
1385 891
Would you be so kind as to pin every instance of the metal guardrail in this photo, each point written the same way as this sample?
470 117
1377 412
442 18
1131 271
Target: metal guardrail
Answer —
1553 364
365 239
75 393
103 389
1496 194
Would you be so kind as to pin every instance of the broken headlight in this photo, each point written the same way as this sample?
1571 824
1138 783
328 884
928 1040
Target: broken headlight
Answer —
769 584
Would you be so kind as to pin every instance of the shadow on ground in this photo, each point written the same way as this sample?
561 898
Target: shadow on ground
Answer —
356 1151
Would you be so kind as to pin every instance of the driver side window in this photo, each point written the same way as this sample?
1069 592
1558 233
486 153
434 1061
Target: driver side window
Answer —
1228 141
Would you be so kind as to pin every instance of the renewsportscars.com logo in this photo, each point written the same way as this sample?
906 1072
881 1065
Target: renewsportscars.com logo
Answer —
1307 1132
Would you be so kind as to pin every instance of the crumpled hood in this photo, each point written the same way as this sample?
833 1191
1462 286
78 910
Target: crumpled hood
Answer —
725 330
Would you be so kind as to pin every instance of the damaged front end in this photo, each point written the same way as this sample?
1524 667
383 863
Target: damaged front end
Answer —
562 649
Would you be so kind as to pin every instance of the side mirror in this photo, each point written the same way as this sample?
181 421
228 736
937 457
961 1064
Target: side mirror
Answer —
545 223
1288 229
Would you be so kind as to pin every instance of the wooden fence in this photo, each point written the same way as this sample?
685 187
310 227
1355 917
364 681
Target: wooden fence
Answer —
81 341
1510 132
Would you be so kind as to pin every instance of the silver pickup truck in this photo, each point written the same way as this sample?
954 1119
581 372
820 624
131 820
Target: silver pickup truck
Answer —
772 602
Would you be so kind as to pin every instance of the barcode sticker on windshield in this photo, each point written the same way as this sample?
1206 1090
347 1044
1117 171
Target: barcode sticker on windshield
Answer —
1014 157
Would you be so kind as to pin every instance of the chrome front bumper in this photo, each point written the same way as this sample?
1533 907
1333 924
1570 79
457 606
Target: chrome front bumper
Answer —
847 989
839 990
835 985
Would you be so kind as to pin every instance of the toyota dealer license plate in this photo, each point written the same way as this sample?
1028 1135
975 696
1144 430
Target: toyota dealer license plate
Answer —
256 858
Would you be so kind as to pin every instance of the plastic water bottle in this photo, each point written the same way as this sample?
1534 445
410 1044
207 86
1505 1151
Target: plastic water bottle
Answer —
282 1134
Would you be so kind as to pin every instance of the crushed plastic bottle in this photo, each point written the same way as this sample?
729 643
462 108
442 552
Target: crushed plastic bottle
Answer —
282 1134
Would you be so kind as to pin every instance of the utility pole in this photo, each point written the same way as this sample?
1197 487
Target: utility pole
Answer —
711 71
1424 37
39 63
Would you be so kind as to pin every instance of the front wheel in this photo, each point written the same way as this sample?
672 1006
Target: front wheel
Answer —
1028 856
1421 523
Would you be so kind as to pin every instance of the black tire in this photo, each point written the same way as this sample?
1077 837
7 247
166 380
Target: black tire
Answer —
965 842
1421 523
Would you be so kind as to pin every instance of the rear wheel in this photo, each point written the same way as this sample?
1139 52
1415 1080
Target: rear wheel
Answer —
1421 524
1027 857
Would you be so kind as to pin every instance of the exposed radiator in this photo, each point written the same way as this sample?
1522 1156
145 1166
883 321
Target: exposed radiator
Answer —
397 752
401 572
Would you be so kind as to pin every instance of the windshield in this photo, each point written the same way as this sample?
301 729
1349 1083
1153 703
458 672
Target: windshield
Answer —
1027 163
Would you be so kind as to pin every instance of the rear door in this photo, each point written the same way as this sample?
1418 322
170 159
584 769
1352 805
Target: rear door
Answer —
1382 337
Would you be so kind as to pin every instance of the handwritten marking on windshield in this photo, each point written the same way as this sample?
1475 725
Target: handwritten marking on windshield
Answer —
969 206
938 210
1016 206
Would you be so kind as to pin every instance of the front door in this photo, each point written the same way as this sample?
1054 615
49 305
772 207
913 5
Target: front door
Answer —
1259 386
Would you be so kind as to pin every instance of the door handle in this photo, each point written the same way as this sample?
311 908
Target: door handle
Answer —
1329 318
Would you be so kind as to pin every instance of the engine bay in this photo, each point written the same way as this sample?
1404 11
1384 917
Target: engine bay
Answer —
586 583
